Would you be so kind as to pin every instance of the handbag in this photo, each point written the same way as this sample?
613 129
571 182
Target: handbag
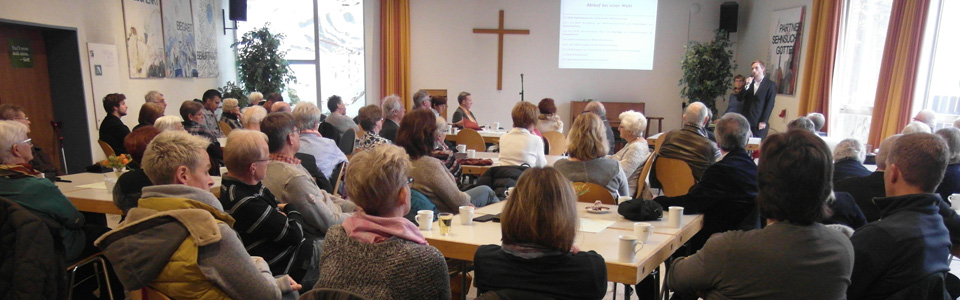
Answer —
640 210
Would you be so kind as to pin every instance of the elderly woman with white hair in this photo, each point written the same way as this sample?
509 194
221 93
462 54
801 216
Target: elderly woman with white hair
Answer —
916 126
848 159
171 122
634 154
231 113
951 177
252 116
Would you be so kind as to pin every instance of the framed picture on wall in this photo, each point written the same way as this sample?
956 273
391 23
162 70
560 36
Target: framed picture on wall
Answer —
143 33
784 58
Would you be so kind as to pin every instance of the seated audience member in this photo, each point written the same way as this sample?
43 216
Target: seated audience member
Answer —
519 145
178 240
193 120
408 268
726 192
444 154
156 97
149 113
794 256
587 146
252 116
393 112
865 189
280 107
438 104
41 161
293 185
899 254
211 102
926 116
538 255
325 150
689 144
916 126
818 121
951 177
421 99
255 98
463 113
848 160
548 120
634 154
371 120
418 131
597 108
27 187
272 99
231 113
128 189
802 123
165 123
844 211
268 229
112 130
338 117
734 104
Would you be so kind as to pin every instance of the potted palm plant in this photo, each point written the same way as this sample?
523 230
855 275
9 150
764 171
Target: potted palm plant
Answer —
707 70
261 66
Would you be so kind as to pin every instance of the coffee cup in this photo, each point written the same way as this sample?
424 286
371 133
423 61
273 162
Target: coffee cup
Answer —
954 199
425 219
110 182
628 248
643 231
461 148
466 215
675 216
508 192
471 153
496 126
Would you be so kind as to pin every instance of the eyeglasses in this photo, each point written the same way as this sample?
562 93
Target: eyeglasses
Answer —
24 118
409 180
261 160
27 141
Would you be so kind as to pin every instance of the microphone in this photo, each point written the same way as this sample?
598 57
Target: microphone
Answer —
521 87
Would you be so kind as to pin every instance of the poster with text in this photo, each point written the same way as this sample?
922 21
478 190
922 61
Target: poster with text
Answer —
144 38
207 19
178 41
784 60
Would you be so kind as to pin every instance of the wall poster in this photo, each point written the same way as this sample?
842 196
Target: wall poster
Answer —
144 38
207 20
784 59
178 39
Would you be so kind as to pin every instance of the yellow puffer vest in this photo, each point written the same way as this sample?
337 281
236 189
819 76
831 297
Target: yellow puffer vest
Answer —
181 278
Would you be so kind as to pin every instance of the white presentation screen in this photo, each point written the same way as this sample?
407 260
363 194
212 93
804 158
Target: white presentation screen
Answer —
607 34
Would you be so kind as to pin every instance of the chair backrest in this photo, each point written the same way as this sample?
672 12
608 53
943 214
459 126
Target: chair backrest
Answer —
347 141
330 294
558 143
472 139
674 175
107 150
329 131
225 128
337 183
591 192
147 293
642 181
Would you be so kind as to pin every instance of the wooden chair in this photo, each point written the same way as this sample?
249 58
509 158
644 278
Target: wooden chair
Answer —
225 128
147 293
347 141
558 143
642 181
674 175
107 150
337 183
472 139
99 263
591 192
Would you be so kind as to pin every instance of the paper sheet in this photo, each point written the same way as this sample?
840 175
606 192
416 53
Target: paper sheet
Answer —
594 226
97 185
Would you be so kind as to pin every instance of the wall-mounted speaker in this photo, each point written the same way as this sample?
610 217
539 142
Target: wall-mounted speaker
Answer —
728 16
238 10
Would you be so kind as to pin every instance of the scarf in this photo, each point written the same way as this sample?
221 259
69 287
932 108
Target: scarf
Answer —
19 171
373 229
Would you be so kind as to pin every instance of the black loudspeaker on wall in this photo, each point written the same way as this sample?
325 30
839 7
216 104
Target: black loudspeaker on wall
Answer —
238 10
728 16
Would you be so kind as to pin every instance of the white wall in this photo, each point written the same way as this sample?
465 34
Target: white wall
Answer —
754 33
101 21
446 54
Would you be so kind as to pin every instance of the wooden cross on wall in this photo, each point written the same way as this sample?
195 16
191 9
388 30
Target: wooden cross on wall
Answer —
500 32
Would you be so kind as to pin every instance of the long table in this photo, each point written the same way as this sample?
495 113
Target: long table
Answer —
489 136
464 240
88 192
479 170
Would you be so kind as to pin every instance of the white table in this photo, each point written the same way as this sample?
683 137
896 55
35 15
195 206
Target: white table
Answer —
479 170
98 199
489 136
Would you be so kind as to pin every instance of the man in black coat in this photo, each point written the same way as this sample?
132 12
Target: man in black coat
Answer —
865 188
112 130
848 159
758 98
392 113
726 193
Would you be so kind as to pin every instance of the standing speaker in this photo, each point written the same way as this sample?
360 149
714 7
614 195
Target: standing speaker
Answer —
728 16
238 10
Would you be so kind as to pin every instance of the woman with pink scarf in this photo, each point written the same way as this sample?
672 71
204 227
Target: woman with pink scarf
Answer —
377 253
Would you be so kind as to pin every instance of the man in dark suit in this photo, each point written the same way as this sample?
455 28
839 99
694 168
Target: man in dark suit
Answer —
112 130
726 193
758 99
864 189
392 113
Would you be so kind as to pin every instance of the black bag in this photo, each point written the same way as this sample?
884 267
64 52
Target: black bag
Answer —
640 210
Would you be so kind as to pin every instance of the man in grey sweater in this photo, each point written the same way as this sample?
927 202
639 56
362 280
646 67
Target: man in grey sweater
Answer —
338 117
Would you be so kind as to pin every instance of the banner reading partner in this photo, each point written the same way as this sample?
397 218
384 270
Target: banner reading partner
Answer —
784 59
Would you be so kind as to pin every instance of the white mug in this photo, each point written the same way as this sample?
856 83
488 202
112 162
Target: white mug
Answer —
508 192
954 199
466 215
675 216
628 248
471 153
642 231
110 182
461 148
496 126
425 219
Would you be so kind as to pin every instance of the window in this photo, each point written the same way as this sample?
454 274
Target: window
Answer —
324 47
938 83
863 32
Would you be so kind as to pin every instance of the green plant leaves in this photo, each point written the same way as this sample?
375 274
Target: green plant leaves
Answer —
261 66
707 70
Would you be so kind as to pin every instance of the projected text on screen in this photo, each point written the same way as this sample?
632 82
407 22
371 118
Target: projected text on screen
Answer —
607 34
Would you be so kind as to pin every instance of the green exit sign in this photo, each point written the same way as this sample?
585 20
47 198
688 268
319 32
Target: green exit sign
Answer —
21 53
